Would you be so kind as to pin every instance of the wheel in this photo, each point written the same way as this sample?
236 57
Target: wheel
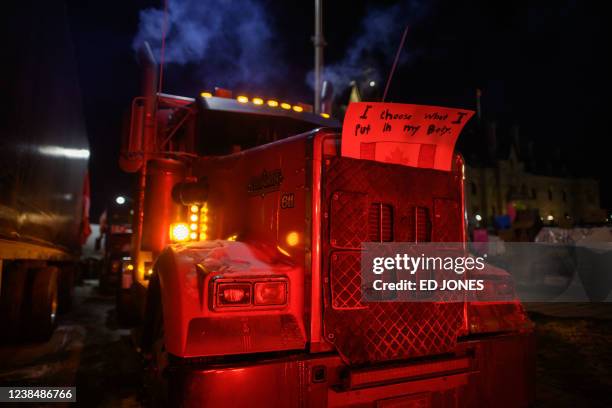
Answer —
11 300
41 317
67 275
159 365
124 307
153 345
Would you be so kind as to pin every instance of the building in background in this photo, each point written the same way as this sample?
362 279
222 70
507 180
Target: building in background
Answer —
506 175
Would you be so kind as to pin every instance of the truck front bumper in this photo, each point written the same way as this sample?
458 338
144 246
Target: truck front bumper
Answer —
494 371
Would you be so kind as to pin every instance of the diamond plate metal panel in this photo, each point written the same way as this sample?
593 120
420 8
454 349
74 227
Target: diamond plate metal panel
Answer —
349 219
394 331
374 332
422 224
447 221
345 283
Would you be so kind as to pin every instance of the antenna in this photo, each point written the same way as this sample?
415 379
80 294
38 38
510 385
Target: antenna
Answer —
163 46
319 42
397 55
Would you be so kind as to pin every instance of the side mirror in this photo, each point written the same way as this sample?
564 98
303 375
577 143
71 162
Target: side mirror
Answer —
140 135
131 156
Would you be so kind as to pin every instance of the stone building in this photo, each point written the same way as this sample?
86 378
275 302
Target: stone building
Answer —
503 177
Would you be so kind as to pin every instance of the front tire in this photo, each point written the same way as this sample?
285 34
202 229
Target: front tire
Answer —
14 278
66 281
153 345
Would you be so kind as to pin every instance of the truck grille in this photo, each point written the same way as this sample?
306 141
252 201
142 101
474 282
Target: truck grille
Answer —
422 224
380 223
367 201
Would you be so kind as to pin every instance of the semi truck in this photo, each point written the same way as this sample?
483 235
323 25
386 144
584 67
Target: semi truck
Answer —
115 237
116 233
43 173
249 220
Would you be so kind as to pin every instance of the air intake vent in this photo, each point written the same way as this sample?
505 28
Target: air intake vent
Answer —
380 223
422 224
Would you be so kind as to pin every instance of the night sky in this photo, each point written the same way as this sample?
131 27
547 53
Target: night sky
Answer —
541 66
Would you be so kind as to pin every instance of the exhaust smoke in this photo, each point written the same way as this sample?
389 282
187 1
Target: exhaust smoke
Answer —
231 42
375 43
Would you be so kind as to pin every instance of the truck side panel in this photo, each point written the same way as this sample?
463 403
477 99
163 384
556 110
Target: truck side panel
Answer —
43 142
43 168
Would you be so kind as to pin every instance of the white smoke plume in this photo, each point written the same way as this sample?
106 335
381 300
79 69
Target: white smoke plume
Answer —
229 39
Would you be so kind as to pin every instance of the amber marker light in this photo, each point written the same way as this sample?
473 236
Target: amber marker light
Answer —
242 99
285 106
298 108
179 232
258 101
293 238
206 95
272 103
325 115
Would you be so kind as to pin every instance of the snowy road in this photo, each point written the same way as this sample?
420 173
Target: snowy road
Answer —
87 350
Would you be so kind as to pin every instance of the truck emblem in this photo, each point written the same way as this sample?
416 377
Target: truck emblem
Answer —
267 182
287 201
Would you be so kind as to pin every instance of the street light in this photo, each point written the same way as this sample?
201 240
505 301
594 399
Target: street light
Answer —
120 200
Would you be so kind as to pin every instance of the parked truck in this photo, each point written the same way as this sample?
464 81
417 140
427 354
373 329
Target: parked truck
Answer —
43 172
116 234
247 240
116 237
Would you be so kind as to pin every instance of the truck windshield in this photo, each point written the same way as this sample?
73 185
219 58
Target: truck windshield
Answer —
222 132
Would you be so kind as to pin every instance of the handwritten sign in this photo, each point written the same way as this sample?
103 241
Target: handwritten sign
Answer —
411 135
